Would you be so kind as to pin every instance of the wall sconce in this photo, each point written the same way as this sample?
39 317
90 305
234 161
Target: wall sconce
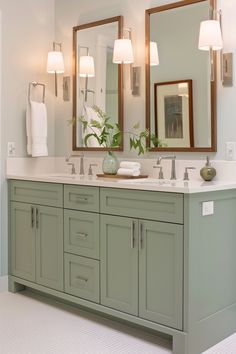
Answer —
123 50
154 57
86 66
55 63
211 39
86 70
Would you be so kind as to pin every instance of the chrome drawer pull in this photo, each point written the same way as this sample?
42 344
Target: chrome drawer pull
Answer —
32 217
81 235
132 235
84 280
81 199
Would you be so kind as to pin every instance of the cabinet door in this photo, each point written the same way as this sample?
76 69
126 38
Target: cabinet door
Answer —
160 271
22 241
119 263
49 247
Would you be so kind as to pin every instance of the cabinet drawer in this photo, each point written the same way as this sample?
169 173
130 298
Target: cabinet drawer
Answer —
81 198
82 277
81 230
50 194
148 205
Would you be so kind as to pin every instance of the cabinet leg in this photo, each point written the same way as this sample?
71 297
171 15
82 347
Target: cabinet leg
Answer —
14 287
180 344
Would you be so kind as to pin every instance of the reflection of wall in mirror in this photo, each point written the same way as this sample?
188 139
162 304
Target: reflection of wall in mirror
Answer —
100 41
176 33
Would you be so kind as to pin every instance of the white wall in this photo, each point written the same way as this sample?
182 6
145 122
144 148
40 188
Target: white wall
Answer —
27 33
82 11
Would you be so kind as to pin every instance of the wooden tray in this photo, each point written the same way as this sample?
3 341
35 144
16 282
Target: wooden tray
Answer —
121 176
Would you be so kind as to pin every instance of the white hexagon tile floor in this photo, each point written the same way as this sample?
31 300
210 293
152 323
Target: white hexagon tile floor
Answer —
30 324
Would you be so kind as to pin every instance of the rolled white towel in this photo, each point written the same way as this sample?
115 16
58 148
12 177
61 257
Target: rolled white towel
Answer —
130 165
128 172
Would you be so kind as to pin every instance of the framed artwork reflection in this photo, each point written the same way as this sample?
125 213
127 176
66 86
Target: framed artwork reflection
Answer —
174 113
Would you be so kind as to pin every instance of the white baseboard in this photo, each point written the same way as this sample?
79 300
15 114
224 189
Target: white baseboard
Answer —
3 283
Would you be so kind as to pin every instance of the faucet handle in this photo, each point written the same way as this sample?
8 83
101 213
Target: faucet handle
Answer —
186 178
73 171
161 176
90 170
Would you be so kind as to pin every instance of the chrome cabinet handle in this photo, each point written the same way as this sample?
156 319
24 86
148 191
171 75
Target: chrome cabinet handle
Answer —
37 218
32 217
81 235
132 234
140 236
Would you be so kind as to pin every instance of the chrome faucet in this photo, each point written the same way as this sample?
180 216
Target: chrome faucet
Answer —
81 165
173 169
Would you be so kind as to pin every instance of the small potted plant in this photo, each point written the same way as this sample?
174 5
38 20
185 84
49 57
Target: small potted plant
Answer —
109 135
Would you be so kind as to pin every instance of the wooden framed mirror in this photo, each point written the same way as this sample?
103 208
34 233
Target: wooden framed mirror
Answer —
98 82
180 96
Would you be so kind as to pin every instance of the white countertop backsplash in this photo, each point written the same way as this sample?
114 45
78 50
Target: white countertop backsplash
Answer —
46 169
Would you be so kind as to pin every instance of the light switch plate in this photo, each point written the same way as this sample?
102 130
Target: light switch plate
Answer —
231 150
207 208
11 149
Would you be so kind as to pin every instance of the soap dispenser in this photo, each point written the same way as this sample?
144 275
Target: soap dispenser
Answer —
208 172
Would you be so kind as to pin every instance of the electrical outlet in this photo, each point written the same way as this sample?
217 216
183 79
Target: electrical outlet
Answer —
207 208
231 150
11 149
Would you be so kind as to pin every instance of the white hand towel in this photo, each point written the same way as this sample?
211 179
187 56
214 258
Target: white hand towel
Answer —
36 126
128 172
28 129
130 165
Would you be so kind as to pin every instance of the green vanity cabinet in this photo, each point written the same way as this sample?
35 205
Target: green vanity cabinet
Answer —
36 237
22 241
49 247
119 263
161 273
149 258
141 268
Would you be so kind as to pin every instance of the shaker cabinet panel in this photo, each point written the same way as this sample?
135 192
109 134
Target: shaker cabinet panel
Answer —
42 193
161 273
159 206
81 198
119 263
82 277
49 247
22 241
81 233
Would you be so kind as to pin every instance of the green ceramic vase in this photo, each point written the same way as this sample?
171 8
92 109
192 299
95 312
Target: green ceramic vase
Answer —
110 164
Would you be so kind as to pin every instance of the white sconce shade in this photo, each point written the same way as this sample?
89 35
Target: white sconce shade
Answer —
154 57
123 51
86 66
210 36
55 62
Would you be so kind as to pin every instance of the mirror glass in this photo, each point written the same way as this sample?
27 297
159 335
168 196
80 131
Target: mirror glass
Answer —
180 96
97 81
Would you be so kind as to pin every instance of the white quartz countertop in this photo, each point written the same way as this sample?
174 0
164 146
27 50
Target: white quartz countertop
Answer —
150 184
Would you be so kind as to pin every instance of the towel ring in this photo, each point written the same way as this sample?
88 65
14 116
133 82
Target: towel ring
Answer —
34 84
